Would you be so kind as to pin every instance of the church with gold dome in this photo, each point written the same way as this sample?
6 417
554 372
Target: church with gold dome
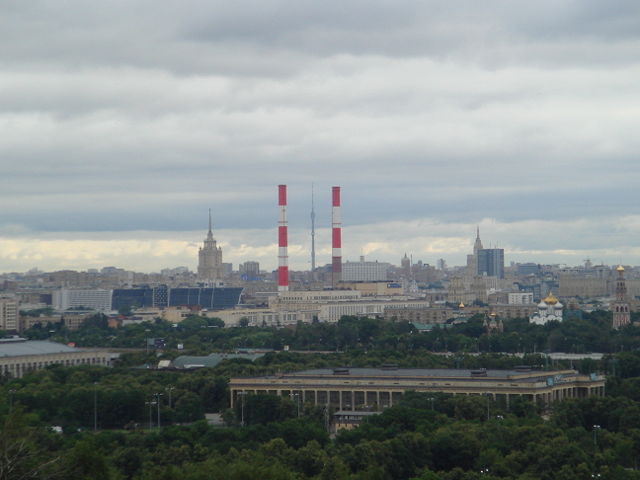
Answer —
549 310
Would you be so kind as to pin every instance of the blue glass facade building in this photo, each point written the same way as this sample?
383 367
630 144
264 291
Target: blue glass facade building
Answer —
491 262
211 298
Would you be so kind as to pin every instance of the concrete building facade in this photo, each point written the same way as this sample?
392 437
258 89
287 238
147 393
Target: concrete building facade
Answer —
20 356
520 298
332 312
365 271
572 285
249 271
259 317
9 314
92 298
429 315
374 289
378 388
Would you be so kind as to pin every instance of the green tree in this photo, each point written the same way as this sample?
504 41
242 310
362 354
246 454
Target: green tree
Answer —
189 408
22 455
85 462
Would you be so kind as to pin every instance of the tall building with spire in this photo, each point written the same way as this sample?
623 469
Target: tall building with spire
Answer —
210 258
405 265
472 259
620 307
478 243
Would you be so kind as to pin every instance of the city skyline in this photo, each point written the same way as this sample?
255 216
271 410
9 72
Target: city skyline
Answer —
143 253
123 125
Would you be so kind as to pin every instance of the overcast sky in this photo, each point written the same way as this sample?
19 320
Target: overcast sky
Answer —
122 122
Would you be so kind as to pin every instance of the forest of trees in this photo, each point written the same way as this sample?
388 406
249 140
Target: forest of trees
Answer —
591 333
432 436
444 438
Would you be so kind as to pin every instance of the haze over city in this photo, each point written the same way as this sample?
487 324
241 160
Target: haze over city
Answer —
124 122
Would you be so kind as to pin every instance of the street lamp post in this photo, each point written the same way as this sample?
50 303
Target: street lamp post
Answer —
151 403
243 394
170 389
595 435
95 406
297 395
158 395
488 412
11 392
431 399
146 339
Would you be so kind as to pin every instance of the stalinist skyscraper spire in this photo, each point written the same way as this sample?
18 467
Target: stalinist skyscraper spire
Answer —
210 258
478 243
472 260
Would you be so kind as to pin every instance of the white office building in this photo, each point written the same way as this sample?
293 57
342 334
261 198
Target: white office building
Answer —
94 299
365 271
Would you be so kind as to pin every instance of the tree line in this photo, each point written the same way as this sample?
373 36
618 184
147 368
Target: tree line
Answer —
587 332
425 437
428 437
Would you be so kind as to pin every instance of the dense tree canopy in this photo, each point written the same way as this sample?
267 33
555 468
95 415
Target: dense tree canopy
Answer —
428 437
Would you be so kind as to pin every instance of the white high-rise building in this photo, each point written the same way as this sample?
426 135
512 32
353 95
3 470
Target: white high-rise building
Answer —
365 271
94 299
8 313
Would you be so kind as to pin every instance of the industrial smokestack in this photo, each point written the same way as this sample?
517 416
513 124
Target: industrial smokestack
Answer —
283 258
336 238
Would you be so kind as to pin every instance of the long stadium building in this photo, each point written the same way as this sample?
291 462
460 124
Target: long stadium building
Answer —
214 298
377 388
19 356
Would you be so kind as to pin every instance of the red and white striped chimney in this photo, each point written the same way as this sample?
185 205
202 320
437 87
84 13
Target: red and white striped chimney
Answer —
283 258
336 238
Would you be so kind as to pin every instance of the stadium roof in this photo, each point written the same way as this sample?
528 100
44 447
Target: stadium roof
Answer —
21 347
420 374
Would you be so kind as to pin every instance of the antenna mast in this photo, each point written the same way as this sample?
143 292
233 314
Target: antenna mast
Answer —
313 235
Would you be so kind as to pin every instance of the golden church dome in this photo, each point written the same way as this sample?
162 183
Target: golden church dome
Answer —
551 299
620 268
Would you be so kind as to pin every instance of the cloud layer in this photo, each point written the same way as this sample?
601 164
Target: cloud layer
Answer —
136 116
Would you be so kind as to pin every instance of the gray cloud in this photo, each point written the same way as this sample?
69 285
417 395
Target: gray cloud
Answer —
129 116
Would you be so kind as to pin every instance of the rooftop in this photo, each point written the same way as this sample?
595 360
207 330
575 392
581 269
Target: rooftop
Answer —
521 374
20 347
185 361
